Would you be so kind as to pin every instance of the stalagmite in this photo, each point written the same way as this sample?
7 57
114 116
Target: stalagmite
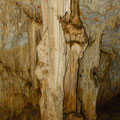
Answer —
76 41
32 46
51 67
88 85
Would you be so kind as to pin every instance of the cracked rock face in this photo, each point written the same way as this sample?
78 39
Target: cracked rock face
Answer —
96 13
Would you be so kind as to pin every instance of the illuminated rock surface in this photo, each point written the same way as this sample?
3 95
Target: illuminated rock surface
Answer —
25 62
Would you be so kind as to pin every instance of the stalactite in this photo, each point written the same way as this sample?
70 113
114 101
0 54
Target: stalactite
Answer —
76 41
88 85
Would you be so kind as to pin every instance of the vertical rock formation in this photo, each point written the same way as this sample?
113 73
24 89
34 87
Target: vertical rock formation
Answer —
76 41
17 62
62 46
59 58
51 51
88 85
100 19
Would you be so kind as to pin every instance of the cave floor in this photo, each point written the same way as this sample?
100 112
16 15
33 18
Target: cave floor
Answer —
110 110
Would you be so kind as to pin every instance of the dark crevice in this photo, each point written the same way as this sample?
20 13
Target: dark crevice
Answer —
109 110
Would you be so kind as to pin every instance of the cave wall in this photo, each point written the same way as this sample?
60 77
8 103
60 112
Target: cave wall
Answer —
19 88
20 35
94 14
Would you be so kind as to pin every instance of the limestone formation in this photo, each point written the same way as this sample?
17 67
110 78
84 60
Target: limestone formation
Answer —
59 59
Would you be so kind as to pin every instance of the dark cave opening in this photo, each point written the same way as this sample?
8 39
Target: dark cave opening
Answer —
109 110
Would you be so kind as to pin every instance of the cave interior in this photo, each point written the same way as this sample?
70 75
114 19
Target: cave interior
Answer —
92 77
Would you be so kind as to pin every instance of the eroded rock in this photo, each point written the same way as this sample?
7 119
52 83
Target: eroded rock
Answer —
16 80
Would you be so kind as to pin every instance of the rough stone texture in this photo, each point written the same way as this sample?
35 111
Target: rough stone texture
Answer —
63 42
51 51
109 69
94 14
73 116
20 33
76 42
17 89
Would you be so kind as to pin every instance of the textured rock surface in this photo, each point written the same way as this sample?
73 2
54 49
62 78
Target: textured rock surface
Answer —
20 32
17 88
97 13
101 18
